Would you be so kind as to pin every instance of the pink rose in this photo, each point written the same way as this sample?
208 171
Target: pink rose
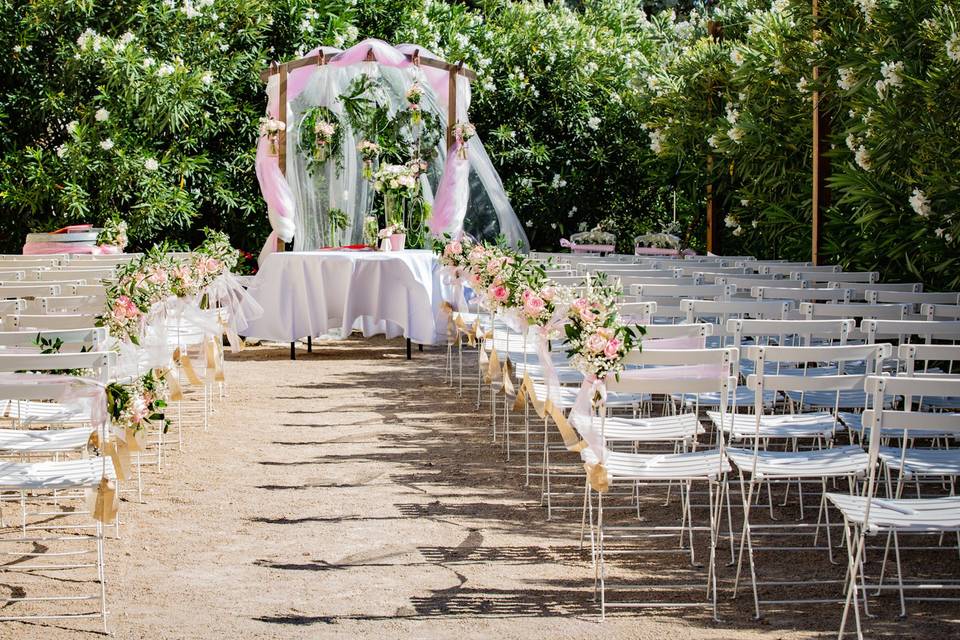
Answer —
498 292
476 254
494 266
157 276
453 249
581 303
612 349
596 343
587 314
548 293
534 306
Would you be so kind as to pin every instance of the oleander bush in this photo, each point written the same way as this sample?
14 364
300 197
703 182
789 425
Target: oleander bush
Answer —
617 112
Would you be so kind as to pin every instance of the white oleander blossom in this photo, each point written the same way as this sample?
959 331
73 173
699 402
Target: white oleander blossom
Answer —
953 47
891 77
151 164
62 151
862 156
867 8
165 70
712 141
846 78
939 232
735 134
102 115
780 6
731 222
656 140
738 231
106 144
732 114
593 122
207 78
920 203
737 57
802 85
852 142
72 127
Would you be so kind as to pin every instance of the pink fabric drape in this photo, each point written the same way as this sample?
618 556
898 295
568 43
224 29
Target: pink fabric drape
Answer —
586 248
51 248
450 205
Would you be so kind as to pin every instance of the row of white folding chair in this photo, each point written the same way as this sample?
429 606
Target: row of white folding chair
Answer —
874 296
791 267
860 289
48 289
894 515
824 278
91 305
940 311
802 293
51 482
49 322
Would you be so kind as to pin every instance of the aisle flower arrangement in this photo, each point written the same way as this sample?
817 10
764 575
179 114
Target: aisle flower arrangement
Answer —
141 287
596 337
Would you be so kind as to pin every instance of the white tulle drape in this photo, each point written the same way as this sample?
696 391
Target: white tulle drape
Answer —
481 206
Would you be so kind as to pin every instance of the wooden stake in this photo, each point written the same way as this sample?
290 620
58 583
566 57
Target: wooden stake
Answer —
821 163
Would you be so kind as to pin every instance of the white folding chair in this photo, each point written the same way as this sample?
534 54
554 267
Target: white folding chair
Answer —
759 467
684 371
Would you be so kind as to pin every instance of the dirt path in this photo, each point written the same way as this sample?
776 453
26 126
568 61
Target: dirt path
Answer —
350 494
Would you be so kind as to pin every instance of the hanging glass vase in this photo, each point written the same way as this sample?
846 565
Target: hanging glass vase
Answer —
320 150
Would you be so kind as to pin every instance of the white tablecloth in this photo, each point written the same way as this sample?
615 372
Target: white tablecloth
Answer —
312 293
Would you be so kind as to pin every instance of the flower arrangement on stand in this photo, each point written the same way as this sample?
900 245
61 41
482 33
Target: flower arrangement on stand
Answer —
399 184
113 234
271 128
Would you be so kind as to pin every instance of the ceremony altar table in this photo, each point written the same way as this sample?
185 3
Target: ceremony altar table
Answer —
313 293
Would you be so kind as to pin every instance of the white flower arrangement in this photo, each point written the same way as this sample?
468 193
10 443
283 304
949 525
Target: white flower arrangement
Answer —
397 179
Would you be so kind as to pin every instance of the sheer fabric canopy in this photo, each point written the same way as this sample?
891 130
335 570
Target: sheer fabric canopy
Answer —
465 191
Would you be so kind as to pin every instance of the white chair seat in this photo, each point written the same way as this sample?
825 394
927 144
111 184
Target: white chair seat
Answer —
854 422
744 398
848 399
43 441
822 463
45 412
941 403
923 462
709 463
55 475
798 425
660 429
916 515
